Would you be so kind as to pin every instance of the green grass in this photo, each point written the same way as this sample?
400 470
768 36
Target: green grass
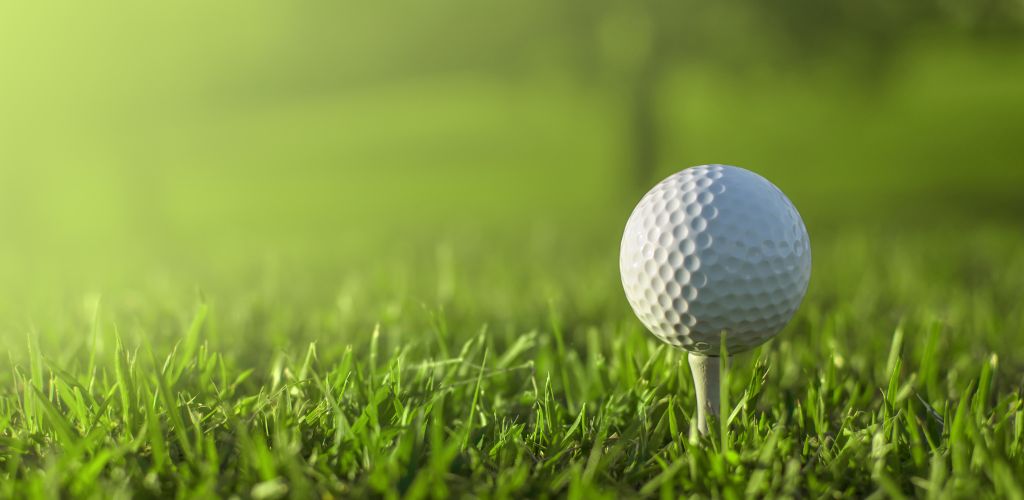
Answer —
899 376
242 258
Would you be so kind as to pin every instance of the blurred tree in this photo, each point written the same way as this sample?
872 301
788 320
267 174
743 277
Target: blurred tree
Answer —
640 42
625 47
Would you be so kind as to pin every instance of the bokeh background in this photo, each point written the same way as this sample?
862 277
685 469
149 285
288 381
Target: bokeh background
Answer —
156 150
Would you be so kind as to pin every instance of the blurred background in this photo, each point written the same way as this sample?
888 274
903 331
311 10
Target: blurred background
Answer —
225 145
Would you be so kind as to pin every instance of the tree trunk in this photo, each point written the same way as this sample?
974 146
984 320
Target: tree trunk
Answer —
644 137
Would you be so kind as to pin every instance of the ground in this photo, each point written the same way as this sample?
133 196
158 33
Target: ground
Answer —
410 288
889 381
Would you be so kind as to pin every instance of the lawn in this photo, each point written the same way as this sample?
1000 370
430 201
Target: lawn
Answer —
900 375
411 288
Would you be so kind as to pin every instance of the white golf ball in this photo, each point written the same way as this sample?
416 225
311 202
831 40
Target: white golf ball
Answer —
715 249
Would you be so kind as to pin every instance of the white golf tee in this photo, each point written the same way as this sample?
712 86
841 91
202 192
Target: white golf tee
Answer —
706 382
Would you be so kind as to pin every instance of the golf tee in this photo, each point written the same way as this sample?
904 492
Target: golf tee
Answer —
706 382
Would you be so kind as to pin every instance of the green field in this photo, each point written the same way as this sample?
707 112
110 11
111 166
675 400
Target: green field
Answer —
232 269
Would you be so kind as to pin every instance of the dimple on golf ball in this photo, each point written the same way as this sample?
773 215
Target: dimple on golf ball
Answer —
715 249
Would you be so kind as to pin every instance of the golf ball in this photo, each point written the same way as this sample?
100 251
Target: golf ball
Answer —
715 249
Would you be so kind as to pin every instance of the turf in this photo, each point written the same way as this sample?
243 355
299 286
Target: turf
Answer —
233 268
899 376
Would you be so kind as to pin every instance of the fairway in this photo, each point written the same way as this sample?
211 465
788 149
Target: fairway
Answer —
248 266
887 382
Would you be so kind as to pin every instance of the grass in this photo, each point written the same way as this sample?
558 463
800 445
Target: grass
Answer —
372 319
900 376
